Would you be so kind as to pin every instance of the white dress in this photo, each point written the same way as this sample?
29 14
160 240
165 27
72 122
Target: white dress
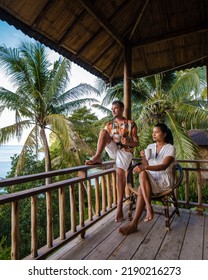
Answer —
161 180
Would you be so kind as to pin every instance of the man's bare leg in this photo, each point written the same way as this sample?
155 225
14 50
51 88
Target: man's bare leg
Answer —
127 193
121 183
132 226
103 140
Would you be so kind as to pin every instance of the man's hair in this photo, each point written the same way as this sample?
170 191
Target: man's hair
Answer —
119 103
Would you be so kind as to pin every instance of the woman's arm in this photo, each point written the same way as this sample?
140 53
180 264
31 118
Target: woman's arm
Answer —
163 166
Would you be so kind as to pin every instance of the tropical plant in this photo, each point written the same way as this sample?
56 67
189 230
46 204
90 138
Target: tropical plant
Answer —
40 100
173 103
172 98
140 92
86 127
4 250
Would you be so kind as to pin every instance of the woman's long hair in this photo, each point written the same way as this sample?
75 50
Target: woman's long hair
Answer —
169 137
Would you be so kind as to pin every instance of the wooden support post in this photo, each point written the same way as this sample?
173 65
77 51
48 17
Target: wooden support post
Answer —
49 219
15 231
62 221
34 227
72 208
127 80
207 79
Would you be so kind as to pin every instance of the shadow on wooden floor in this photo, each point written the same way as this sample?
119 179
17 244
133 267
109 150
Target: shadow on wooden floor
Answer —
187 240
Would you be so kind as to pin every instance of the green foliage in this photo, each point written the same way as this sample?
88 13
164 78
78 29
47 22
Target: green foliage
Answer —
85 125
32 166
4 250
41 100
171 98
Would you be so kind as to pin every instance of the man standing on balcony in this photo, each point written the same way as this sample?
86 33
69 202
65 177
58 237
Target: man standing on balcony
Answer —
118 138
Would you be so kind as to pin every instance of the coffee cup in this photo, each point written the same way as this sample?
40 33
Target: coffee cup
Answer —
117 138
148 153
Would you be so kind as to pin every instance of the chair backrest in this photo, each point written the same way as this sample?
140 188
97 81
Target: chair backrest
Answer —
178 175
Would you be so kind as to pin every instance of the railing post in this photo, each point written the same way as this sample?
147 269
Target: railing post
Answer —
109 192
81 201
15 231
187 187
62 223
89 200
97 197
49 219
114 188
34 231
199 187
103 185
72 208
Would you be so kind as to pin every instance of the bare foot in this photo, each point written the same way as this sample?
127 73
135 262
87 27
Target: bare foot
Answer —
128 229
150 215
119 217
94 160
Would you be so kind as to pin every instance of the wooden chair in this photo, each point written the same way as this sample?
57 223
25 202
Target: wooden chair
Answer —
167 197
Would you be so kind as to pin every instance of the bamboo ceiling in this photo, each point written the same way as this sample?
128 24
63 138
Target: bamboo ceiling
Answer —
163 34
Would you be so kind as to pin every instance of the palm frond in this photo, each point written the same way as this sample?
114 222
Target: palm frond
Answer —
59 79
104 110
198 114
204 94
70 106
185 148
31 144
101 86
188 83
10 132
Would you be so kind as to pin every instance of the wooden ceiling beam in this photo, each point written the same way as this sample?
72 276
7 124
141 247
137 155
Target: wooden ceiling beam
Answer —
102 21
170 36
140 14
46 7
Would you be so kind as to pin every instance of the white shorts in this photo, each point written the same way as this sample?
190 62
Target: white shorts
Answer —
123 159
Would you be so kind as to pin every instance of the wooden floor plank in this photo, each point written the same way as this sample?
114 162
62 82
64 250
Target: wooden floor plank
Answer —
205 248
188 239
82 247
107 246
150 245
130 244
171 246
193 241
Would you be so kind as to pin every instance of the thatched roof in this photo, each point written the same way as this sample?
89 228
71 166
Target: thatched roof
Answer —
199 136
163 34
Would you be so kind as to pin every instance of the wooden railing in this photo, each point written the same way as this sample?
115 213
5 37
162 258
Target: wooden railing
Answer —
85 180
195 179
104 182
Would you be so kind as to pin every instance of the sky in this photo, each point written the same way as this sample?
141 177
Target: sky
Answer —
11 37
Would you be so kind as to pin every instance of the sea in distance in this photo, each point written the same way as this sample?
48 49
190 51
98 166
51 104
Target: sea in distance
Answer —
6 152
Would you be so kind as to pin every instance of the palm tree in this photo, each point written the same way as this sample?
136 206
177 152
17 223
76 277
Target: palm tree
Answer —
140 92
173 103
40 101
172 98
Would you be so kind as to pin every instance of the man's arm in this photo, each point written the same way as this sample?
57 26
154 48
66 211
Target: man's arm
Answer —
135 140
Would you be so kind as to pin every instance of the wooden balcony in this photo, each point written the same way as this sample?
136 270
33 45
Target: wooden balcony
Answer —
95 235
187 240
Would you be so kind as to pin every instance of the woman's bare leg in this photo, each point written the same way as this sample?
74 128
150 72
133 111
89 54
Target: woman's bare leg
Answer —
140 205
146 192
103 140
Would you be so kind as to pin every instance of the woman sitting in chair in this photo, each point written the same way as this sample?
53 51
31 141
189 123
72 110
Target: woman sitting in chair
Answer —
156 174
